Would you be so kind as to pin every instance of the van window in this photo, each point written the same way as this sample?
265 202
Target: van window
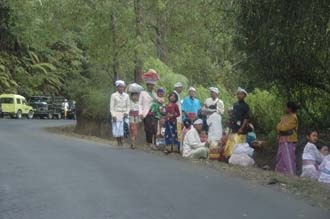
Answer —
18 101
7 100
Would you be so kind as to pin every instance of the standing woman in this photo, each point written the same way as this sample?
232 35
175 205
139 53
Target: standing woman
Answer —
172 113
119 109
145 101
287 140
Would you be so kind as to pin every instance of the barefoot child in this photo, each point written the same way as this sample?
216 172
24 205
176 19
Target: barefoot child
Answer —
134 118
172 113
157 110
311 157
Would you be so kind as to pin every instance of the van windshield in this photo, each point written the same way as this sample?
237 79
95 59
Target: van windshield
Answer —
7 100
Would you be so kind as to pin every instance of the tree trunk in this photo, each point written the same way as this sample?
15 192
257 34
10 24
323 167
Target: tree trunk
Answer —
115 47
138 35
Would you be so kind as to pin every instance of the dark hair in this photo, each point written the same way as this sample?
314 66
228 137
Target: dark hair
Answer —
292 106
187 123
310 132
175 95
134 93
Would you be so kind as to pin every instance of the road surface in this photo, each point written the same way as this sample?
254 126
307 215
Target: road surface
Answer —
43 175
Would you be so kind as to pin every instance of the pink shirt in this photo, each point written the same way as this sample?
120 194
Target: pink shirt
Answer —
145 101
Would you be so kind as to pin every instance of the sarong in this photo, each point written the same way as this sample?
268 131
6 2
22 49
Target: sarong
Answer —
171 135
118 129
233 140
286 158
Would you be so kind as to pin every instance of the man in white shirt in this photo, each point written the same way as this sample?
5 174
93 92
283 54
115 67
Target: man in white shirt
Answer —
214 100
192 145
119 109
214 124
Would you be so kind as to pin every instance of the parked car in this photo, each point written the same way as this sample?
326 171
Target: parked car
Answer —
15 106
44 107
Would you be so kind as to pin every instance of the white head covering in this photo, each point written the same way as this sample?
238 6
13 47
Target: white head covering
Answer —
178 84
198 122
214 89
120 83
242 90
192 89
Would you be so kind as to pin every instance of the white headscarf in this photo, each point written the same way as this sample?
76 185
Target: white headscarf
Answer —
242 90
178 84
192 89
120 83
214 89
198 122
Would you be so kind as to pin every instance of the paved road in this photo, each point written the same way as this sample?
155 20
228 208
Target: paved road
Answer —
43 175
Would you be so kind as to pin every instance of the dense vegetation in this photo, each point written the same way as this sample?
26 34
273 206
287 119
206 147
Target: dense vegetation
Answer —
277 49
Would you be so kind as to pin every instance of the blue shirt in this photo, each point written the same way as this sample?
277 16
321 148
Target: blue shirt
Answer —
191 105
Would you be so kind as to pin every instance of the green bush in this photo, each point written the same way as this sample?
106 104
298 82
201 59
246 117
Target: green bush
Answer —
266 108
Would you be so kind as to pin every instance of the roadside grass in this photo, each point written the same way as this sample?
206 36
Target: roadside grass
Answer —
317 194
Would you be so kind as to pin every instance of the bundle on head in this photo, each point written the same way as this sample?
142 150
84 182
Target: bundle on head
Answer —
150 76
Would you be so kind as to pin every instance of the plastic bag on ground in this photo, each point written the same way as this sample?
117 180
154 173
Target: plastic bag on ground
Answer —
243 149
241 160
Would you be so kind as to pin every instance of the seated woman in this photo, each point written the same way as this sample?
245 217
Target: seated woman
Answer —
311 157
192 145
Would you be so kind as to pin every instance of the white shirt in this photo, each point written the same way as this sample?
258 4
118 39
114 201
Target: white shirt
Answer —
145 101
325 170
179 119
215 127
191 141
312 153
65 106
220 106
119 105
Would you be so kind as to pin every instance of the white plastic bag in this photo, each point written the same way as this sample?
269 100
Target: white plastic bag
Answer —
243 149
241 160
135 88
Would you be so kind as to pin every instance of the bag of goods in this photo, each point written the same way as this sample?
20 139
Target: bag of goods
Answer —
135 88
150 77
241 160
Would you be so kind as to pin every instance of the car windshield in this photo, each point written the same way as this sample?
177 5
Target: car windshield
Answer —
7 100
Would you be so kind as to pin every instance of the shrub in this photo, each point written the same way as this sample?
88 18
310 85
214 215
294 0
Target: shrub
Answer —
266 108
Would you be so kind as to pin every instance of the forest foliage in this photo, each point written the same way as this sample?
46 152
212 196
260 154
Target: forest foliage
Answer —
279 50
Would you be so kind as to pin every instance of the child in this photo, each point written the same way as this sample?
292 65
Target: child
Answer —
203 136
214 124
187 125
157 110
325 170
324 150
172 113
311 157
134 118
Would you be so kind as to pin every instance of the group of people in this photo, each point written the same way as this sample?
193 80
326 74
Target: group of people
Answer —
188 127
315 160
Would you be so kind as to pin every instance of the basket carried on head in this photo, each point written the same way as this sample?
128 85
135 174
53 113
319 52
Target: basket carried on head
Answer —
135 88
150 77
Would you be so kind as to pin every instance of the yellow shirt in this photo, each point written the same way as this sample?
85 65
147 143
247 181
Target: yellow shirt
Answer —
289 122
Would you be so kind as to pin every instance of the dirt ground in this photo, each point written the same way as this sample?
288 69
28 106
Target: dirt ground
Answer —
316 193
